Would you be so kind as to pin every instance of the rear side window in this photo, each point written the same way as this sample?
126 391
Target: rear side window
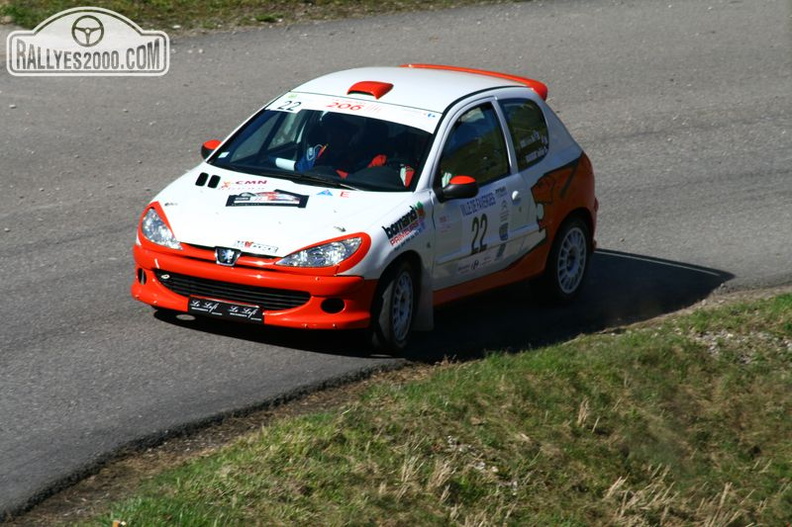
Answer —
528 129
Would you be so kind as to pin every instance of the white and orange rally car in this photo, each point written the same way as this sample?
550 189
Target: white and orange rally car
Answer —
365 198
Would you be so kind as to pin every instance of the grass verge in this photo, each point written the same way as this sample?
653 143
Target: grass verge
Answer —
684 421
220 14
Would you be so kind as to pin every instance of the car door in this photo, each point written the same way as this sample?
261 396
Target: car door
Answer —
530 142
477 236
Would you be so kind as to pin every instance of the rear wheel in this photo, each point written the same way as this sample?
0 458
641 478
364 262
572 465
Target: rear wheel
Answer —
394 309
568 261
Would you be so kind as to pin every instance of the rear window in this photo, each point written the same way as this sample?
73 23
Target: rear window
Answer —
528 129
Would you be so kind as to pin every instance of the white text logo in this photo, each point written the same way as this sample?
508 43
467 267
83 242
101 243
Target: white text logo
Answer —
87 41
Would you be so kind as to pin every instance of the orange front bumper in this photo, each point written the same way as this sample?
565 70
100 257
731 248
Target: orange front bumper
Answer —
326 302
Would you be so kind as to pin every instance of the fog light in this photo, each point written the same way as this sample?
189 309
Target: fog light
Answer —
332 305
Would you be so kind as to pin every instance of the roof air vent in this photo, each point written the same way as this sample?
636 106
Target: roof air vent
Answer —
374 88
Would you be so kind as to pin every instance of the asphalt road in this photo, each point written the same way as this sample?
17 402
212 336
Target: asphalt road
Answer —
684 106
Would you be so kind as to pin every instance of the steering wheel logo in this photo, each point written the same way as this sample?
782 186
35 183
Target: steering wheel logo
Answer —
87 31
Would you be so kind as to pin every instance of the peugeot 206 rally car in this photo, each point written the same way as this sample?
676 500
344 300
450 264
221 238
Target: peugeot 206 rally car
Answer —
365 198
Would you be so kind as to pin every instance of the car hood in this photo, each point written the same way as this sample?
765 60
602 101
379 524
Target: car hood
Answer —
265 215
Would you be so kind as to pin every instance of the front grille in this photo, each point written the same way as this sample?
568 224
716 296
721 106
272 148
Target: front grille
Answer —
269 299
210 255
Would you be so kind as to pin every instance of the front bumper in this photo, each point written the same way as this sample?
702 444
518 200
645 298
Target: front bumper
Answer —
166 280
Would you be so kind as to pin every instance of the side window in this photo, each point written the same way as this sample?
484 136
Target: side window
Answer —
475 148
528 130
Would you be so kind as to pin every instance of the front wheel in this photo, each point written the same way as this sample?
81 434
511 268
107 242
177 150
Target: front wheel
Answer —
393 310
568 261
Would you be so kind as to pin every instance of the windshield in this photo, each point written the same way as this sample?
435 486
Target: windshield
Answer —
328 148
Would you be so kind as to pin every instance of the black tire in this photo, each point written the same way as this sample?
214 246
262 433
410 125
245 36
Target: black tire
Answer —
568 261
393 309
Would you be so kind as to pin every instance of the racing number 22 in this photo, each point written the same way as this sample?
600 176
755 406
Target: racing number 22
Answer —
289 106
479 230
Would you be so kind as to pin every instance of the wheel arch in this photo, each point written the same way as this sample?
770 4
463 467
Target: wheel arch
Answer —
424 309
588 218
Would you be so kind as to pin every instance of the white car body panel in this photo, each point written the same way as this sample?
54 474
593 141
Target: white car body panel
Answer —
202 216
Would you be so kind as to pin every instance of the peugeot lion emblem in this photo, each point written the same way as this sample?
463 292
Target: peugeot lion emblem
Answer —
226 256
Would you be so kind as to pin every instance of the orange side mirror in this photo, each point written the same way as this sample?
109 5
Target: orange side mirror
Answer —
208 147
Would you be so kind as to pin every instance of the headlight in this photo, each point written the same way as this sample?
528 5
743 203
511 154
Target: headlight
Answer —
325 255
155 230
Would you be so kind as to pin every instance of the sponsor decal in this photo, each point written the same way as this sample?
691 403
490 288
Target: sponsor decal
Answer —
257 247
473 263
481 202
503 231
243 185
407 227
296 102
538 151
87 41
339 194
444 224
276 198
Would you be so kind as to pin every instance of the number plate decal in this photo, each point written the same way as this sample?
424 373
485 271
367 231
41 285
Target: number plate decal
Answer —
225 310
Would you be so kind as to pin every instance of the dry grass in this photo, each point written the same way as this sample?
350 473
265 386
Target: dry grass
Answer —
679 422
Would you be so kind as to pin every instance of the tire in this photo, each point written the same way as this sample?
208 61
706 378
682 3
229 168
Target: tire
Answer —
393 310
568 261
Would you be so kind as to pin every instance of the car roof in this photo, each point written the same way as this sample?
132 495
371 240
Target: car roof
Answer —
427 87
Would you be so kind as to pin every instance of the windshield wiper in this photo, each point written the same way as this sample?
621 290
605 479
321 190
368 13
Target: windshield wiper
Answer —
323 181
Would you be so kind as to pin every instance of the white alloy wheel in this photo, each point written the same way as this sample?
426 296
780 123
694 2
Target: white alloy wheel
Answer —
568 261
572 260
402 304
